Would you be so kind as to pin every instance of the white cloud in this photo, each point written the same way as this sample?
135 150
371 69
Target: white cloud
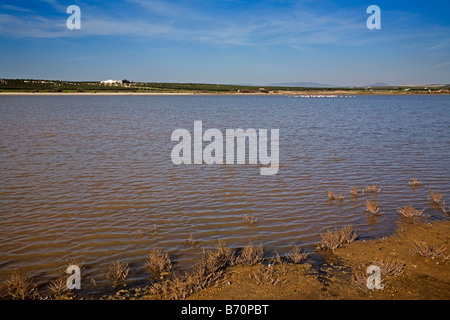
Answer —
296 28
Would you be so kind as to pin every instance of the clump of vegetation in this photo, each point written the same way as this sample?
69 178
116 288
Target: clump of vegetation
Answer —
359 276
266 275
409 212
221 257
414 183
59 290
159 262
20 287
58 287
435 197
372 189
251 255
296 255
430 251
279 265
373 208
190 241
180 287
337 239
118 272
334 196
251 220
207 271
389 268
354 191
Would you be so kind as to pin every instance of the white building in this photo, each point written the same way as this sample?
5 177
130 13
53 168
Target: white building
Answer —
111 82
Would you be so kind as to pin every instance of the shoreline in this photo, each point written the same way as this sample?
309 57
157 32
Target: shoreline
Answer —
423 278
406 273
314 94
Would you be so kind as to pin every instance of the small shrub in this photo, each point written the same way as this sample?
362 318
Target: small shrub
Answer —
354 191
337 239
159 262
265 275
334 196
251 220
118 272
59 290
19 287
414 183
251 255
190 241
174 289
221 257
435 197
373 208
430 251
371 189
359 276
389 268
409 212
296 255
209 268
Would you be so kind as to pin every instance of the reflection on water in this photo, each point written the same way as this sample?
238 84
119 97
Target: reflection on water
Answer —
91 177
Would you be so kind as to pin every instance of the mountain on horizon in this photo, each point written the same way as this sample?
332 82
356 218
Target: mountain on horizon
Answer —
379 84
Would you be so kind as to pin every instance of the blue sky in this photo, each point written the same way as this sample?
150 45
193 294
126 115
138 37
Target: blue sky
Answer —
227 41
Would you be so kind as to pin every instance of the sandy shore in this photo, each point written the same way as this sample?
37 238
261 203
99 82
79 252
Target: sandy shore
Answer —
405 274
423 278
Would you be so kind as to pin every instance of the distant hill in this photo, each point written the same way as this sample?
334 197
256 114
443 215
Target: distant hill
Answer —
244 84
300 84
379 84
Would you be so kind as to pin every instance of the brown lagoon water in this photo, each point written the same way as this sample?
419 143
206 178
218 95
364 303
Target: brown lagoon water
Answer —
88 177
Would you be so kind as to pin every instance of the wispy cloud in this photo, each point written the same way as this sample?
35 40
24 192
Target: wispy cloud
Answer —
438 66
169 9
55 5
178 21
14 8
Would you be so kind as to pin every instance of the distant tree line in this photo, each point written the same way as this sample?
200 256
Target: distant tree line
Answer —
36 85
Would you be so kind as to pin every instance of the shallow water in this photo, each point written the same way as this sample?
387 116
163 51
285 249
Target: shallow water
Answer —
89 177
